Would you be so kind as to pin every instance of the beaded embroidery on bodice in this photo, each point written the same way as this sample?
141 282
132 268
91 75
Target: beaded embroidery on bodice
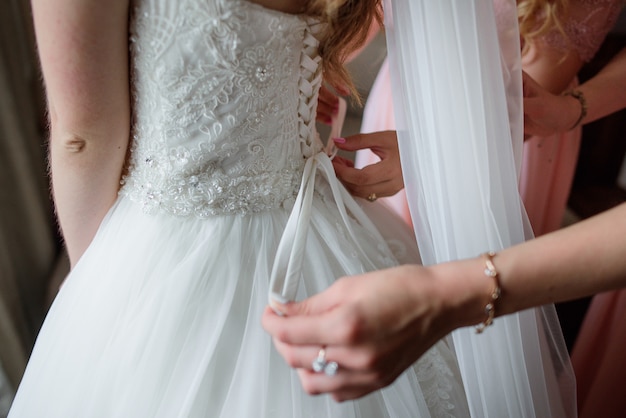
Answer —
224 102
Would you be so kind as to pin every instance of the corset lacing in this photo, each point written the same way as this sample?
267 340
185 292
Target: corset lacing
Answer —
286 272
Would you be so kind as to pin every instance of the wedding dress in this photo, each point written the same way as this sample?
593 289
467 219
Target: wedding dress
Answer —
161 315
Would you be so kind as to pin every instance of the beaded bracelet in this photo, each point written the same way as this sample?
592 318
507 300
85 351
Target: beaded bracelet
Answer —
578 95
490 308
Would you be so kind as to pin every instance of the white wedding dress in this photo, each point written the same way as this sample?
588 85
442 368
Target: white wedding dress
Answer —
161 315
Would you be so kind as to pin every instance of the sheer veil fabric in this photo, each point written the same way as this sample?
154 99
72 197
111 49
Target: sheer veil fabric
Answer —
457 91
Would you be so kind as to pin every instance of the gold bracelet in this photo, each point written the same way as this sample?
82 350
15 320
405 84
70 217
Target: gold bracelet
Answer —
578 95
490 308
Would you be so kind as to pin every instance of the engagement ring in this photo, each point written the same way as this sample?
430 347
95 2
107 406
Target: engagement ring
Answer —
321 365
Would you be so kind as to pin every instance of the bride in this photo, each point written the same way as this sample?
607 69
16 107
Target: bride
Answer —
190 183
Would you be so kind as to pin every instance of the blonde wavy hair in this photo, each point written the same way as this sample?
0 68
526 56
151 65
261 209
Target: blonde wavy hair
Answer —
347 23
539 17
345 29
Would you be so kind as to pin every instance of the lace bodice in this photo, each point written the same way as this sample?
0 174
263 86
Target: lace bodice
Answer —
224 98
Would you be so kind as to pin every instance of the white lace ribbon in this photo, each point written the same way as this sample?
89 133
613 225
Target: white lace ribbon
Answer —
287 269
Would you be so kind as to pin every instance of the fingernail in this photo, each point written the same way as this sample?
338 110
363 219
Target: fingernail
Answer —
340 140
277 307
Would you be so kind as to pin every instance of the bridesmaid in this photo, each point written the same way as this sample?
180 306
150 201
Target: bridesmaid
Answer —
551 56
598 354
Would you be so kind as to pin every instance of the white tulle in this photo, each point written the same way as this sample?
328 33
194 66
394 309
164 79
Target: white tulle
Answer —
149 326
457 93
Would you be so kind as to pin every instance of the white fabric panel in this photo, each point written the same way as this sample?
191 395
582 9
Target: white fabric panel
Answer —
460 142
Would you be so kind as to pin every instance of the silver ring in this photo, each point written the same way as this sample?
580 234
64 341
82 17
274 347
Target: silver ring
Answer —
321 365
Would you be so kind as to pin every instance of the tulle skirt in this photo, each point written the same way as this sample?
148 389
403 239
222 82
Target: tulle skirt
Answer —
161 318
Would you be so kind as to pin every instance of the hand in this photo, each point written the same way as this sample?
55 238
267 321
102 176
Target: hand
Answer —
545 113
373 325
328 103
384 177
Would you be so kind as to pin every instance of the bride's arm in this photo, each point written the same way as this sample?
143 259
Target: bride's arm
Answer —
83 48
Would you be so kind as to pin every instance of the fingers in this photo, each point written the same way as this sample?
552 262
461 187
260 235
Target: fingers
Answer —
298 356
383 178
302 323
357 374
356 357
345 385
349 382
302 330
384 141
327 105
344 162
328 97
363 329
342 89
362 369
325 113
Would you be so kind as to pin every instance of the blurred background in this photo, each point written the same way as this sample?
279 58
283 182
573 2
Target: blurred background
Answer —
32 260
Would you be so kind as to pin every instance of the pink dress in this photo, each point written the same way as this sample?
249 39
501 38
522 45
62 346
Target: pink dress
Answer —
547 172
599 358
548 162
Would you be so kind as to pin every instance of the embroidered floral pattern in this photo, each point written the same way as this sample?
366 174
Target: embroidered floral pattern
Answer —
206 83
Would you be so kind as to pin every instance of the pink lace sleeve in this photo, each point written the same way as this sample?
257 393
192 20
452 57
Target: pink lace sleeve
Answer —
586 27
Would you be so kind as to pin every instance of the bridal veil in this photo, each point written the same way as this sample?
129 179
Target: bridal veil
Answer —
457 88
